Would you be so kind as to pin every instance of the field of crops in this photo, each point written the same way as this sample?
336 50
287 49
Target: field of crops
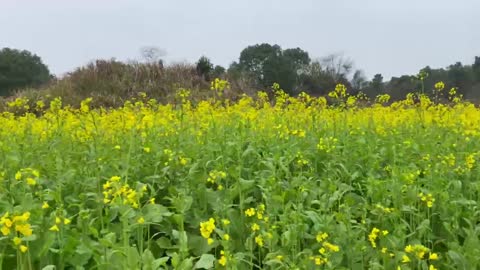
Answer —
285 183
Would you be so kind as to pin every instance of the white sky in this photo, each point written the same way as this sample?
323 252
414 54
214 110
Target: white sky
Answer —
381 36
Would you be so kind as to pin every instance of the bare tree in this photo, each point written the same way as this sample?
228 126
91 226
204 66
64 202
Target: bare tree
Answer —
337 66
359 80
152 54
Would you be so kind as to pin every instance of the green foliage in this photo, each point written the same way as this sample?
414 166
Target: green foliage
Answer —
270 64
20 69
204 68
218 71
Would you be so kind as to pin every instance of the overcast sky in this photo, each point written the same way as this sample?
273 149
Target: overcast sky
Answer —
381 36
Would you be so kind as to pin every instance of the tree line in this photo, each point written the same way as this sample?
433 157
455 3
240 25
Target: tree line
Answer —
257 68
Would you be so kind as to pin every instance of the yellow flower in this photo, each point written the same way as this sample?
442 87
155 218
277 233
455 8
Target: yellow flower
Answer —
31 181
210 241
321 237
405 259
279 257
7 222
384 250
5 230
420 254
322 250
67 221
146 149
409 249
250 212
54 228
255 227
140 220
152 201
372 237
58 220
22 218
331 247
320 260
207 227
220 187
223 260
225 221
183 161
18 176
24 229
117 147
45 205
23 248
226 237
432 267
259 240
17 241
115 178
433 256
439 86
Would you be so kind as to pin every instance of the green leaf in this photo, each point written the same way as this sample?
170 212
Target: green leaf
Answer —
155 213
160 262
148 260
133 258
186 264
198 245
206 262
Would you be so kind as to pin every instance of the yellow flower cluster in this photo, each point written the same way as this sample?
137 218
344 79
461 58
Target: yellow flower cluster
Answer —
219 85
427 199
114 190
419 252
29 175
339 92
470 161
386 210
327 144
223 259
215 176
259 212
325 250
58 222
19 223
382 98
374 235
301 161
207 228
439 86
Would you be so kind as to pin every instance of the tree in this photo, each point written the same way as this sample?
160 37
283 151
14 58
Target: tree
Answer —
218 71
20 69
398 88
476 69
377 84
269 64
459 76
204 67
